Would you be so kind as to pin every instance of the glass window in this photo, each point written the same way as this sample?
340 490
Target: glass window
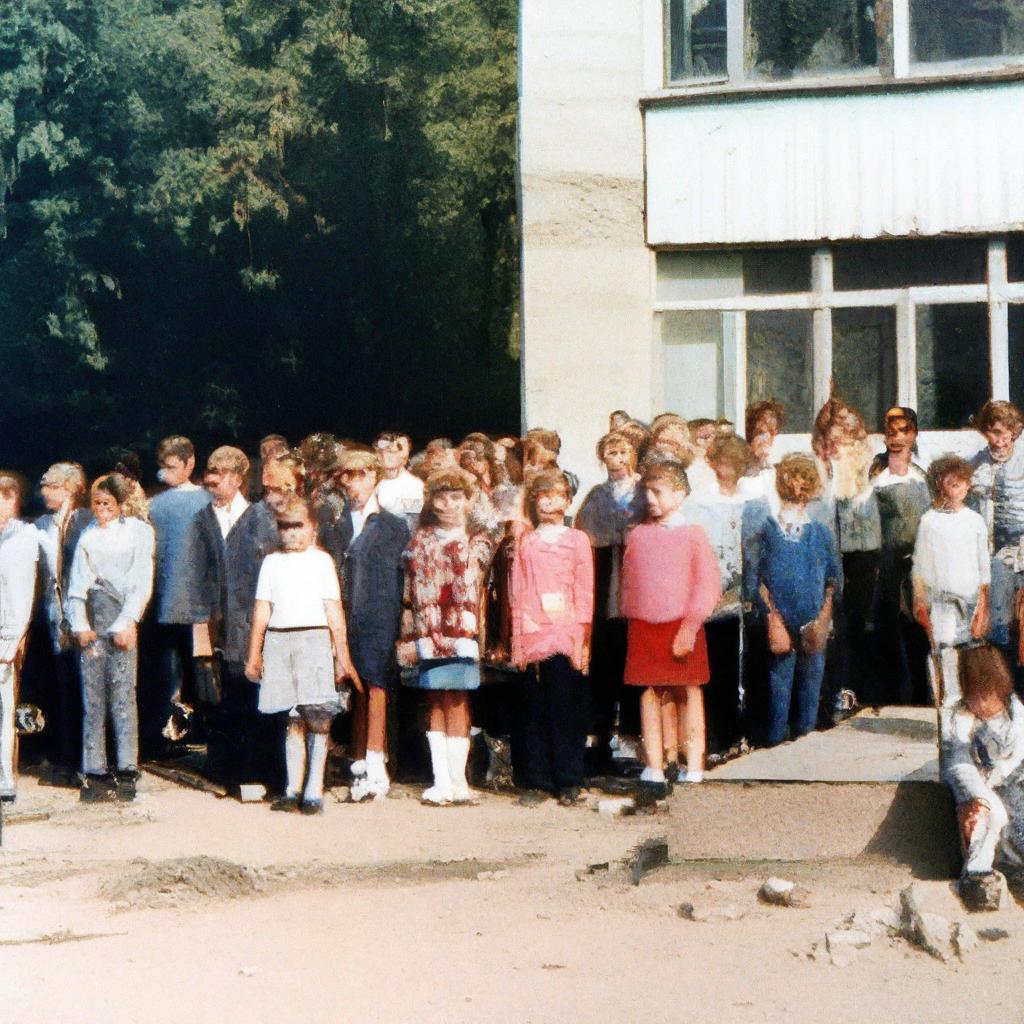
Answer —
909 263
776 271
784 38
943 30
697 39
864 360
698 275
1017 355
953 364
693 366
1015 257
780 364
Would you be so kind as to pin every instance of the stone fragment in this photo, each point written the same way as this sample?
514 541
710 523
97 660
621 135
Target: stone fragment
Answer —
992 934
615 807
689 912
930 932
841 941
965 941
782 893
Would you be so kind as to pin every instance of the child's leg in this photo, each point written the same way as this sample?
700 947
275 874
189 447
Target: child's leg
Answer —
650 724
537 768
294 755
94 707
7 709
980 845
669 732
317 726
564 697
780 692
810 670
122 670
376 737
360 711
690 705
441 791
457 742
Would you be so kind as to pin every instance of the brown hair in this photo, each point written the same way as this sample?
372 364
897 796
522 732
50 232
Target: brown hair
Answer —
286 464
666 417
836 412
996 412
354 460
114 484
792 471
230 459
543 482
177 446
638 435
948 465
13 485
984 672
731 450
614 437
766 407
293 505
547 439
444 480
670 471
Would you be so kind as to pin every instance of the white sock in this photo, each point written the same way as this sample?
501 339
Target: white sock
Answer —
442 787
652 775
358 768
316 745
375 769
294 758
458 754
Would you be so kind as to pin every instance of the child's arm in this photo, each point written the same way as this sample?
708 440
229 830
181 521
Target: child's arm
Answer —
707 589
583 599
260 621
980 620
81 579
343 667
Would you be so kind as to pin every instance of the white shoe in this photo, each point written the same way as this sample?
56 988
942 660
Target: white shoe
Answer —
360 789
464 795
437 796
695 776
379 788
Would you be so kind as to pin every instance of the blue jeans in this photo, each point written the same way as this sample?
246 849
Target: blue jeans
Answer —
794 686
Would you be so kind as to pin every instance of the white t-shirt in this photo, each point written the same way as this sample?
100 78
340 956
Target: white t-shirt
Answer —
296 583
402 496
951 554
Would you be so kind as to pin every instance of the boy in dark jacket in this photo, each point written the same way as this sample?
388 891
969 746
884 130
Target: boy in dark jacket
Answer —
367 544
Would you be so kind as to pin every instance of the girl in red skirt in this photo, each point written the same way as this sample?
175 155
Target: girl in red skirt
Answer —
670 585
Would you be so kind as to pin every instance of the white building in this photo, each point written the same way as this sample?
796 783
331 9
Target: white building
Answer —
727 200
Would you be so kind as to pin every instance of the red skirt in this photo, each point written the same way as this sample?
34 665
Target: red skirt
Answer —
649 658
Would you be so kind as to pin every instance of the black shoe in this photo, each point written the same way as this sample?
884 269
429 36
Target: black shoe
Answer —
651 792
312 807
125 790
673 771
569 797
96 789
285 803
532 798
981 891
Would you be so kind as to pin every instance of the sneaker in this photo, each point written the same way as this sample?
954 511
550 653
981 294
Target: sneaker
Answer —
96 789
312 807
436 796
569 797
649 792
533 798
360 789
463 795
697 775
285 803
125 786
981 891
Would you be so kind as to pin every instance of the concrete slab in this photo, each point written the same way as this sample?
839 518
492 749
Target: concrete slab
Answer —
892 744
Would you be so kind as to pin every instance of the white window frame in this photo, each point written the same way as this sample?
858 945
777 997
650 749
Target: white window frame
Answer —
998 293
902 64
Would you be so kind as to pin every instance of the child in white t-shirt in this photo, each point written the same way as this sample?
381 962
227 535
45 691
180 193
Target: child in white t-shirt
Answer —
298 652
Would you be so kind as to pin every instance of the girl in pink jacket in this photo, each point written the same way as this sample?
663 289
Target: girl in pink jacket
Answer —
670 585
552 598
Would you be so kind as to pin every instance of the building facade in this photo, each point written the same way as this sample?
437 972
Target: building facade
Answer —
728 200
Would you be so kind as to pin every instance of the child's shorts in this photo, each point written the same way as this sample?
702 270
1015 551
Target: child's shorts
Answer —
298 668
649 658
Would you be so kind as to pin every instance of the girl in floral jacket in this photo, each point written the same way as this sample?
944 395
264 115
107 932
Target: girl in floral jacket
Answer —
446 567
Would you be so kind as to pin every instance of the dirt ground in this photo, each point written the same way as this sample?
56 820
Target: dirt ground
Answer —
185 907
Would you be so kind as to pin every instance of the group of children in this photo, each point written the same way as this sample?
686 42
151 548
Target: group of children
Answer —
345 568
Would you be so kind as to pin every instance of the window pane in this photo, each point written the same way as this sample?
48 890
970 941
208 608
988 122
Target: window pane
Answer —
776 271
864 360
1015 257
780 364
693 364
787 37
1017 356
953 364
906 264
697 39
961 29
698 275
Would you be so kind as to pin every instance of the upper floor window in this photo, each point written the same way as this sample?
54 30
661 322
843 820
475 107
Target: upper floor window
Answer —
784 39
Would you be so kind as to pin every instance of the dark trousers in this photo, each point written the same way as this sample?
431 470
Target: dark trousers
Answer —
902 643
724 707
67 709
854 663
170 678
553 702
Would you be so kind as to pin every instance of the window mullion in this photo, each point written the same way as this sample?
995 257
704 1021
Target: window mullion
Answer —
735 27
900 38
906 351
998 319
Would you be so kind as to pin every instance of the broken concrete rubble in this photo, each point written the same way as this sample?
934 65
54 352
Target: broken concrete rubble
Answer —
781 893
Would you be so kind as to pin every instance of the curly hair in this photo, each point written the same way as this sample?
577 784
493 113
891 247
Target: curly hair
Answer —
757 411
543 482
797 478
948 465
670 471
730 450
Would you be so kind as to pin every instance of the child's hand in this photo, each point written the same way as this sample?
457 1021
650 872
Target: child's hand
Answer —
682 643
125 639
254 668
344 669
86 638
980 623
924 620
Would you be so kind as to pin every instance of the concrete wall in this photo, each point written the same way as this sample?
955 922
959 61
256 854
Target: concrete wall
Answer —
587 274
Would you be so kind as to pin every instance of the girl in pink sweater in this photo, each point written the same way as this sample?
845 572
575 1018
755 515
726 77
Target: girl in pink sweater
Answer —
552 599
670 585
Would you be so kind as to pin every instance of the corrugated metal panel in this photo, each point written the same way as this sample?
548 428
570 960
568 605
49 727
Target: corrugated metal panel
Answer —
834 167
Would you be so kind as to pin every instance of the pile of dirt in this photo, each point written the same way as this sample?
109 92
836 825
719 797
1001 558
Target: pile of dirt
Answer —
149 883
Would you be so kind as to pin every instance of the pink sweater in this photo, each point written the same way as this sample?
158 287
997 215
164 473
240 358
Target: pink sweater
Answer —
669 573
552 595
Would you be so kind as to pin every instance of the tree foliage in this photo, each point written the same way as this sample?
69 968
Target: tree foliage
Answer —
226 217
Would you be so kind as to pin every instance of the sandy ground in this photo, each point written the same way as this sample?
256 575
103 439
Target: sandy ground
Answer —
184 907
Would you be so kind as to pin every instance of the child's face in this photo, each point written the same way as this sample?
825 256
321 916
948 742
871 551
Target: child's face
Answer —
105 508
359 485
726 473
222 483
900 436
618 457
54 496
552 505
394 452
297 532
449 507
953 490
1000 441
663 499
985 705
8 505
704 436
174 471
